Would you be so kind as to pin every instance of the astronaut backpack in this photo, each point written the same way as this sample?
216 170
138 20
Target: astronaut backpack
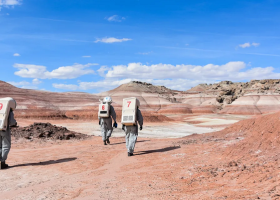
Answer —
129 111
6 104
104 107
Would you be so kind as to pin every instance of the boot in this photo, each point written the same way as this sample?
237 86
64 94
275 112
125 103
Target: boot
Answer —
130 154
4 165
104 142
108 141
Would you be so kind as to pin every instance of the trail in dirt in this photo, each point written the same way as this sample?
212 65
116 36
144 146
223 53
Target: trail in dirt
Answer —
90 167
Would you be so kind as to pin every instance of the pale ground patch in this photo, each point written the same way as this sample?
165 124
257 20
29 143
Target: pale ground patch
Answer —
152 130
164 130
210 120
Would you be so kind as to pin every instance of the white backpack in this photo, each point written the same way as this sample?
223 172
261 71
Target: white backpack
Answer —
129 111
6 104
104 110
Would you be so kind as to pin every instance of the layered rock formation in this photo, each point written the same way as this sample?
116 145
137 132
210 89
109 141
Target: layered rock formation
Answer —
43 104
254 97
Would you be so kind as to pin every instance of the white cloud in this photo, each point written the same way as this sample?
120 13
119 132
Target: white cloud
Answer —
65 72
248 44
112 40
168 71
9 3
115 18
16 54
99 85
178 77
245 45
255 44
27 85
86 56
102 70
36 81
65 86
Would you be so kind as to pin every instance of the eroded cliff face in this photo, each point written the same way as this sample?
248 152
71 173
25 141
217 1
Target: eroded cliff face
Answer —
254 97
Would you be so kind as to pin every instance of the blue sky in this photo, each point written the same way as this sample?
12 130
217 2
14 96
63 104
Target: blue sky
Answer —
94 46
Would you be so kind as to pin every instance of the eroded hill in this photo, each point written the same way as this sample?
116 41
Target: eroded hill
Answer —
254 97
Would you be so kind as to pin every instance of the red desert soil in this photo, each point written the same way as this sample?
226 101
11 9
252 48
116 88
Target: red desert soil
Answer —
240 162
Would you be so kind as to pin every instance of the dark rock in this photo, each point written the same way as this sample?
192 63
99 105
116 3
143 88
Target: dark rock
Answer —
45 130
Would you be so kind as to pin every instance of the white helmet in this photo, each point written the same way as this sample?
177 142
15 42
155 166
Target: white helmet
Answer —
107 100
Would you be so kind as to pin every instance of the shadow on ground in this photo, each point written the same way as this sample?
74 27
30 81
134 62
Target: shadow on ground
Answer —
125 142
50 162
158 150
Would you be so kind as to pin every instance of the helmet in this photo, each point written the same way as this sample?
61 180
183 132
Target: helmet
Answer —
107 100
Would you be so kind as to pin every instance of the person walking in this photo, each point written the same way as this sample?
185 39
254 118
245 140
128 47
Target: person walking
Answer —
105 121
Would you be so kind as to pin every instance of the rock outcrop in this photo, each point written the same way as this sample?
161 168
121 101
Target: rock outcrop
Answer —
45 131
254 97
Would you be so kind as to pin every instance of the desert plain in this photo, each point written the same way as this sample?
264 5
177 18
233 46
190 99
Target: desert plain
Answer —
218 141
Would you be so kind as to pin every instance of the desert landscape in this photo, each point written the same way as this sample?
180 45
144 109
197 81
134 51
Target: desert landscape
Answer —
217 141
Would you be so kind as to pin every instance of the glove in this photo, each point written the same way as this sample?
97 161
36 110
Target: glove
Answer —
123 127
141 128
115 125
99 122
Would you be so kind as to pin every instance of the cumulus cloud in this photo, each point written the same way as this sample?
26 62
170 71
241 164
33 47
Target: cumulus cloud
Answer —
102 70
111 40
248 44
86 56
65 72
16 54
179 77
9 3
27 85
168 71
65 86
36 81
115 18
99 85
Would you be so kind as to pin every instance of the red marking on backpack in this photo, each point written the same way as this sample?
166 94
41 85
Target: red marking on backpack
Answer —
1 106
103 107
129 102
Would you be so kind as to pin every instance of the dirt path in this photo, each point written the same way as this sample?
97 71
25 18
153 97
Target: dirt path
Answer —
67 170
194 167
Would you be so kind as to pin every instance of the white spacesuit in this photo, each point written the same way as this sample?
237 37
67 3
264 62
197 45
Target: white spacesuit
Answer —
105 114
7 106
131 117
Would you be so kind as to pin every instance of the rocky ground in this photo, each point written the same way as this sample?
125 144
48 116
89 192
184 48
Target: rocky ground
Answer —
239 162
45 131
222 159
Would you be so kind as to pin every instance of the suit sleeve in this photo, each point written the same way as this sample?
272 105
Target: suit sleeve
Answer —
12 121
139 117
113 113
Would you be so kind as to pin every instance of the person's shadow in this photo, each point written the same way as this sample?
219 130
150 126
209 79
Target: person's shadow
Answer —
125 142
158 150
50 162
